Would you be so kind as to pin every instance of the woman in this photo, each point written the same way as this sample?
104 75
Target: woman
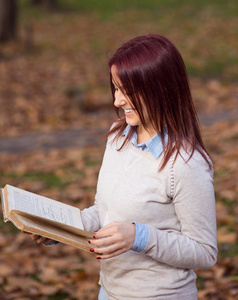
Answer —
154 214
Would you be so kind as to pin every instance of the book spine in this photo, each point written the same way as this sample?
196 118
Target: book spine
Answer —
3 206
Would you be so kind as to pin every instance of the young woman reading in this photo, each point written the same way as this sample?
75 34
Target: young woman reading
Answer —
154 214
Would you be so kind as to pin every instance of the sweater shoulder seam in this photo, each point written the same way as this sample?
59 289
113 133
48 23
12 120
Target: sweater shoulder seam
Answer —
172 177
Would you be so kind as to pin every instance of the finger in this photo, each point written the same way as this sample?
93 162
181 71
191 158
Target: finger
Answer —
111 227
109 255
108 226
109 237
41 240
102 233
104 241
35 237
47 241
107 249
100 242
110 248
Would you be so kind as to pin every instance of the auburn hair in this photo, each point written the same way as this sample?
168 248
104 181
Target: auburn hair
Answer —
152 70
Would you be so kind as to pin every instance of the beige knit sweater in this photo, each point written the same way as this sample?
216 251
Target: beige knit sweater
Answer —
177 204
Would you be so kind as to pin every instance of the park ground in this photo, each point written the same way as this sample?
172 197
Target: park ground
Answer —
54 94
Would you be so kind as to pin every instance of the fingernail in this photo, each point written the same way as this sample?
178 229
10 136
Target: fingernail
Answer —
89 242
96 231
91 250
98 257
94 237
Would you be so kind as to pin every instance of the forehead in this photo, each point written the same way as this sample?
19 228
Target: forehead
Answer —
115 78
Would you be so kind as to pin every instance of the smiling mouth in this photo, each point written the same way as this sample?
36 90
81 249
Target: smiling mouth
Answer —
128 110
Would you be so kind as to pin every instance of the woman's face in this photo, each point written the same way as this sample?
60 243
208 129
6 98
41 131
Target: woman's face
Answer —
132 116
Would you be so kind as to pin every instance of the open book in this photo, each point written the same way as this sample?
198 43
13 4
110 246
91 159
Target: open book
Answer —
33 213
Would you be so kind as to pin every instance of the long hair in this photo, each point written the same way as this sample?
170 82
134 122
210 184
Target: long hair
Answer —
152 70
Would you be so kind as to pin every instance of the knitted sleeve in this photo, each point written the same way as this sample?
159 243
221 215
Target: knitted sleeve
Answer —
90 218
195 245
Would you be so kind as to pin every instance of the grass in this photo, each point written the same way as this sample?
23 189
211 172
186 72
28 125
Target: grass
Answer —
35 277
228 250
200 282
222 172
48 179
204 31
7 227
110 7
227 202
58 296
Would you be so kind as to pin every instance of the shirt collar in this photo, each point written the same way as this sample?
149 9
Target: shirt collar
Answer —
154 145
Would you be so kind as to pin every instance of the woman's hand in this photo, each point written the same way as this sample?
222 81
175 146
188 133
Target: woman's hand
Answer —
39 239
113 239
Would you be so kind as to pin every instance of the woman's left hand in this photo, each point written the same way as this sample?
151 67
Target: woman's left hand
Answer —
113 239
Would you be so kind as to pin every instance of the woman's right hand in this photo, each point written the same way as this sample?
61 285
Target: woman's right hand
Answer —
39 239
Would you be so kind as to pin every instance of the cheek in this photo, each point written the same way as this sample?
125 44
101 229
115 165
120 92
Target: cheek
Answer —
146 115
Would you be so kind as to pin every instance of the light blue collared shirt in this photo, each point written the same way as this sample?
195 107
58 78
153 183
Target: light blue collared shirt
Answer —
153 145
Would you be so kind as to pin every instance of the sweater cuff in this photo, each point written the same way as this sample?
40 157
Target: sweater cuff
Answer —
53 243
141 237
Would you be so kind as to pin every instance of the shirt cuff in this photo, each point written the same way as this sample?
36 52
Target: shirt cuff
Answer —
53 243
141 237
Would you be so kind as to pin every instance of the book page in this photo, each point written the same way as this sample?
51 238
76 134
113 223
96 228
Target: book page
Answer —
34 204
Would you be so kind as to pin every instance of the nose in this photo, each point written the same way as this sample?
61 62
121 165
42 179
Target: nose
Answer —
120 99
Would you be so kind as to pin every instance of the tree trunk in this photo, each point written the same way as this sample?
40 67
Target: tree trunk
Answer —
8 20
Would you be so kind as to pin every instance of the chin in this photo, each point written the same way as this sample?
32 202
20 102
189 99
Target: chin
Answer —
132 122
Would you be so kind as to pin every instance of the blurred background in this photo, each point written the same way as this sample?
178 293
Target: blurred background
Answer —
55 106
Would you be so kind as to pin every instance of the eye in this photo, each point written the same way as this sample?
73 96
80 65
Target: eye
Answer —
115 89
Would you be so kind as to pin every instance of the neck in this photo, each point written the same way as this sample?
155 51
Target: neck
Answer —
143 135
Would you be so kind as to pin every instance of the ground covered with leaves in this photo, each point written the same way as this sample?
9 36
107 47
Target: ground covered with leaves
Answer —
55 78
